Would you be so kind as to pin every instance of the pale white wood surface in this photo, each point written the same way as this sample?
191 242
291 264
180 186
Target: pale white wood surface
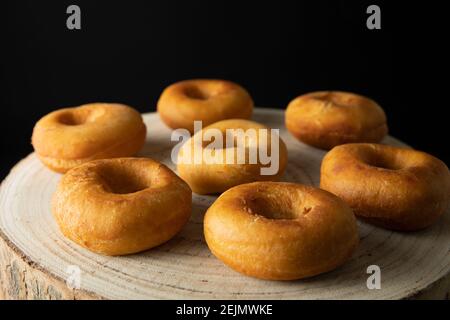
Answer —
34 256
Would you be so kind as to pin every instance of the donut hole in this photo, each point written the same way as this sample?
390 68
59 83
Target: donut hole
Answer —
383 164
212 141
198 92
74 118
340 99
124 180
220 143
71 119
276 208
383 161
233 140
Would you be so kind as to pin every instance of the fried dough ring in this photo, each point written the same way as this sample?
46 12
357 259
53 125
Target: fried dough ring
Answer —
210 178
395 188
205 100
326 119
121 206
280 231
69 137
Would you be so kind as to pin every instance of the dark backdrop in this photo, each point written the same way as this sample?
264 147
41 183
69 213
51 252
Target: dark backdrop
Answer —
128 51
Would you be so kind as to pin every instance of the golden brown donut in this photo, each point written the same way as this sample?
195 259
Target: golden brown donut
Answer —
395 188
206 100
68 137
210 178
280 231
326 119
121 206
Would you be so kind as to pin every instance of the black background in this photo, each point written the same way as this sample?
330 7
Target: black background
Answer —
129 51
282 309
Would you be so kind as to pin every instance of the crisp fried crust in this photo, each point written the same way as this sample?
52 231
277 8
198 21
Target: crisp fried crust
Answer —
210 178
280 231
206 100
68 137
326 119
396 188
121 206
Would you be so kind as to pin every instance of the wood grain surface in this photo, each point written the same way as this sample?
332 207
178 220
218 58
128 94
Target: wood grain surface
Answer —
36 260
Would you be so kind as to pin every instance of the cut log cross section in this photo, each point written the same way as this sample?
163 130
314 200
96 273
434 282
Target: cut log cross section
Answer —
37 262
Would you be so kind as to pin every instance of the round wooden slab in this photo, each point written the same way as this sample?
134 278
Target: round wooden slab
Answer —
36 261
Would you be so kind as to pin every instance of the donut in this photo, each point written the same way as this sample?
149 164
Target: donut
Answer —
326 119
395 188
219 174
280 230
69 137
205 100
121 206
